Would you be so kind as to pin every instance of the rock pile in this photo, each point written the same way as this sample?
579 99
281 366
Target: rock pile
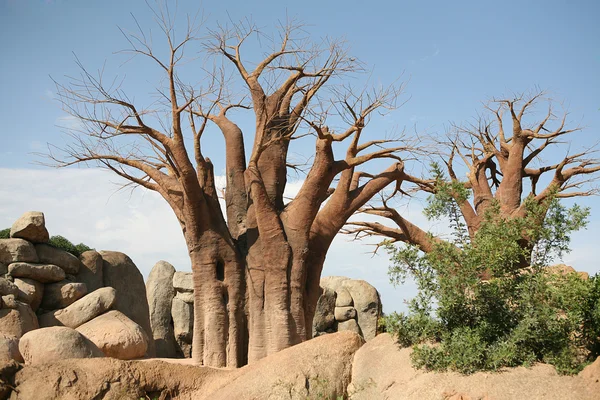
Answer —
347 305
54 305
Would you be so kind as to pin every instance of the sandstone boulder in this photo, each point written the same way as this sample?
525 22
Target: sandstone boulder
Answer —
188 297
183 326
82 310
56 343
116 335
9 349
324 312
31 226
12 250
30 292
344 313
7 287
120 273
18 320
160 291
52 255
183 282
62 294
45 273
90 270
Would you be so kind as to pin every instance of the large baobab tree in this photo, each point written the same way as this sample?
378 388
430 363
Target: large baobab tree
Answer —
502 155
256 270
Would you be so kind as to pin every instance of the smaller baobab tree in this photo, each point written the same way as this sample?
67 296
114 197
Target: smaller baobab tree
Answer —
502 154
256 266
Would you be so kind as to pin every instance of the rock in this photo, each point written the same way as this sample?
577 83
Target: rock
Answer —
188 297
116 335
51 255
90 270
45 273
31 226
12 250
160 292
383 370
592 371
343 298
183 326
121 273
62 294
324 312
18 321
30 291
7 287
9 349
56 343
344 313
350 325
316 369
82 310
9 301
183 282
3 269
563 269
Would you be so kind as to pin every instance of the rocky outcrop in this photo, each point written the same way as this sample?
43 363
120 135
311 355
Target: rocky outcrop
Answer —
81 311
357 307
120 273
116 335
160 292
31 226
56 343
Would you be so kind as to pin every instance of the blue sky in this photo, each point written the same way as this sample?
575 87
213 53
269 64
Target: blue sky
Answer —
453 56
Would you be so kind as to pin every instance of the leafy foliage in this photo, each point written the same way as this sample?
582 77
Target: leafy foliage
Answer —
58 242
489 301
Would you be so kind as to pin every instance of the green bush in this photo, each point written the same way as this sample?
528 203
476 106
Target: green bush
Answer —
478 308
57 241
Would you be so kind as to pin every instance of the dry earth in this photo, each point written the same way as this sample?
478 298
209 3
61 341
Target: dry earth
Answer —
323 368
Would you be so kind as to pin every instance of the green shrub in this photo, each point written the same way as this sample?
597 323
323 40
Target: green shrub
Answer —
478 308
5 233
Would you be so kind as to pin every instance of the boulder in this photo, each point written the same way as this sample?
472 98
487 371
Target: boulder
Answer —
592 371
3 269
116 335
343 297
82 310
45 273
344 313
9 301
188 297
183 281
18 320
183 326
12 250
316 369
7 287
324 312
120 273
31 226
62 294
90 270
160 292
30 291
350 326
52 255
9 349
56 343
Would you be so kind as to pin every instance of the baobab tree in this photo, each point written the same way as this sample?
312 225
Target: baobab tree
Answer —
503 156
256 267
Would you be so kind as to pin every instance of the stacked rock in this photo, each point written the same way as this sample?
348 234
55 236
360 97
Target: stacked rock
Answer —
347 305
55 305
